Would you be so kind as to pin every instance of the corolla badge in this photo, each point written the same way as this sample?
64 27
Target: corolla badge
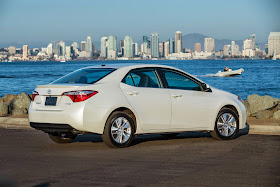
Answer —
49 91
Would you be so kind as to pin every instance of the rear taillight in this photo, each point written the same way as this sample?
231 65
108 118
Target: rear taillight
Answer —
82 95
34 93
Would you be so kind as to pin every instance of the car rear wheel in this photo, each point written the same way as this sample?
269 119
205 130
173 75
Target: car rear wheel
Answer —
62 138
119 130
226 125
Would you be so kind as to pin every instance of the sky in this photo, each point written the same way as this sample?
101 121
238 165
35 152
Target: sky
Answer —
73 20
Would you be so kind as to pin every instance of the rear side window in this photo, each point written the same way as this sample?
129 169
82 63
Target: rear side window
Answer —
85 76
142 78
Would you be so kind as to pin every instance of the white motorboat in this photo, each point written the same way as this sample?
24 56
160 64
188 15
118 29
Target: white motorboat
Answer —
229 73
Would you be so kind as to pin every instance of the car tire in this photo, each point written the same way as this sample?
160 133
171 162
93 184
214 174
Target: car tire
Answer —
119 130
226 125
169 135
62 138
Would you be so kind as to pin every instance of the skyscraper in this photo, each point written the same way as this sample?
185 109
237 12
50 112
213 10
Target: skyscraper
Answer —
274 43
104 47
160 49
62 48
24 51
253 38
112 47
197 47
83 46
121 44
247 48
50 49
234 49
209 45
171 46
89 47
226 50
74 48
166 48
155 45
135 49
128 47
178 42
146 45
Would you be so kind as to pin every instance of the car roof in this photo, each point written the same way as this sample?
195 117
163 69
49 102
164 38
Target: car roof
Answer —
127 66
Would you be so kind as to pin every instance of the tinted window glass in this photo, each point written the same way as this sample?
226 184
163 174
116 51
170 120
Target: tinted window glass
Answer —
142 78
85 76
178 81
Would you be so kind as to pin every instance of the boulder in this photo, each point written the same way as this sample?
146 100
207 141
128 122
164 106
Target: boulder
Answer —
257 103
19 111
22 101
247 106
275 109
1 100
3 109
276 115
8 98
264 114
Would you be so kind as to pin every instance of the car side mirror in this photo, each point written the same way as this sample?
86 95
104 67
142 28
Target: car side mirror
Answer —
206 87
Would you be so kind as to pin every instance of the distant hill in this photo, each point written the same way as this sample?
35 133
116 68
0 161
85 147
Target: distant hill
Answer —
190 39
188 42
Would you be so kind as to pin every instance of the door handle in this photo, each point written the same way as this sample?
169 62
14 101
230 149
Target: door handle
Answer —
133 93
176 95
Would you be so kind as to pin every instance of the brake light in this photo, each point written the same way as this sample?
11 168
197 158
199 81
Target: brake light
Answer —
34 93
81 95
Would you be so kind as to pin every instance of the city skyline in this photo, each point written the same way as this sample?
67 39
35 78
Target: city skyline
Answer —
88 18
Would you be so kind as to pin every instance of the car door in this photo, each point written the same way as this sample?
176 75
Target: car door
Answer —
192 108
144 92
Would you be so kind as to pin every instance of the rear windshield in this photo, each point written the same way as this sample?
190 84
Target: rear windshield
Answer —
85 76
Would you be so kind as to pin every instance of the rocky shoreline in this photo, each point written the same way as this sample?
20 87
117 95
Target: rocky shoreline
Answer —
260 107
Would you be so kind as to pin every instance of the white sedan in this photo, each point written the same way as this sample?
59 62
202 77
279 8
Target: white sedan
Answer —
122 100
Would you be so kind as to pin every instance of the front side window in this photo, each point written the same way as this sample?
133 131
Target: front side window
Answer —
142 78
85 76
177 80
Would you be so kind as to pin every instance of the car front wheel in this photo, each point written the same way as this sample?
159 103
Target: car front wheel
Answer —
119 130
226 125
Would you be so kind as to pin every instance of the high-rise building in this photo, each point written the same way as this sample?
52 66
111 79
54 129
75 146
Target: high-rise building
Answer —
274 43
209 45
62 45
104 44
24 51
112 47
146 45
266 48
12 50
68 52
253 38
247 48
160 49
178 42
166 48
154 45
58 50
74 48
135 49
234 49
121 45
50 49
171 46
197 47
128 47
226 50
89 47
83 46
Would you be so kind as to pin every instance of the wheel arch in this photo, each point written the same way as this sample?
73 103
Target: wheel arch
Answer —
129 112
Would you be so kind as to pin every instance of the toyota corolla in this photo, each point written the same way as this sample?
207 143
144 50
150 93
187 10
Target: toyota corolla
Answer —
121 101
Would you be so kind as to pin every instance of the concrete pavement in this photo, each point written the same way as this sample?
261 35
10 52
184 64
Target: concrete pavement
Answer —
30 158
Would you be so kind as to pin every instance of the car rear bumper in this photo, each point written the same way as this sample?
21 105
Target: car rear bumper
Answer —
79 116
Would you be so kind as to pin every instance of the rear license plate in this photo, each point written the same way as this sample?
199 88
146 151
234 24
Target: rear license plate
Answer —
50 101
